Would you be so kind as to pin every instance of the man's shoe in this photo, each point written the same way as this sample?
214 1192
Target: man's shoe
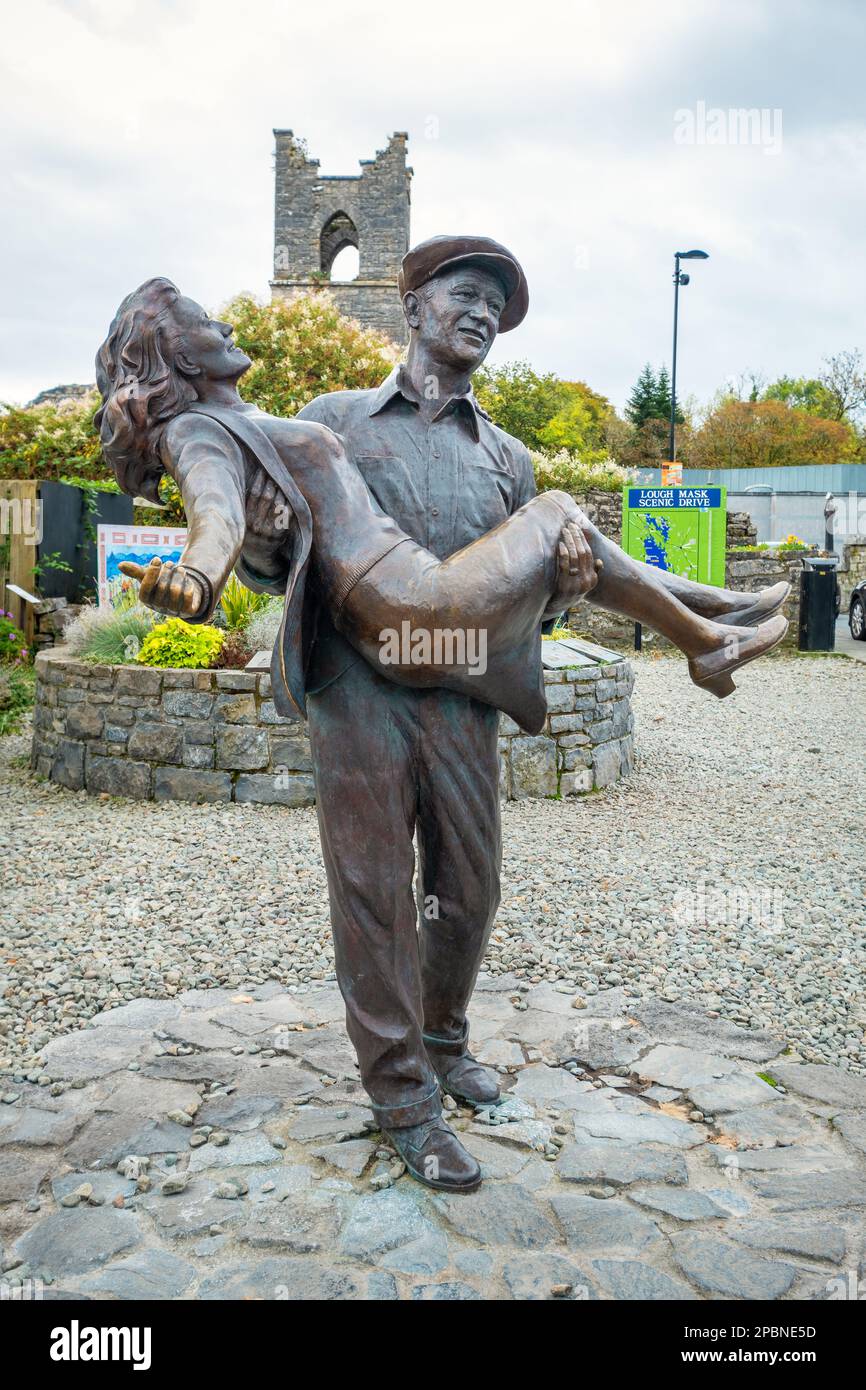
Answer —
466 1080
434 1155
458 1072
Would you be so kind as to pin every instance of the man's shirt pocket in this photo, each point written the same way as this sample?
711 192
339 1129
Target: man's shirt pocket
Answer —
486 495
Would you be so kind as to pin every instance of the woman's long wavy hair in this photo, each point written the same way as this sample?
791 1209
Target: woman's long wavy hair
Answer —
140 385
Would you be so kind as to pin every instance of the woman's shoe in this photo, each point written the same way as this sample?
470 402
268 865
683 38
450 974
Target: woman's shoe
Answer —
764 606
713 670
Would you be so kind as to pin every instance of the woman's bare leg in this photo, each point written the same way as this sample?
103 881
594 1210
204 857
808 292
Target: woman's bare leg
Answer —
713 602
715 650
705 599
637 591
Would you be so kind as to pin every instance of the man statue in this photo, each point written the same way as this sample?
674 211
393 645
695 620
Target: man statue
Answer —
393 763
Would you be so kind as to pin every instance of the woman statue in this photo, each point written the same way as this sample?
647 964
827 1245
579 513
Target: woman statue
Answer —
279 497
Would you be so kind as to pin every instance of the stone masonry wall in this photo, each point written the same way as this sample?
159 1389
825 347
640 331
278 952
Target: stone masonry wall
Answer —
374 305
852 568
216 736
166 735
759 570
588 737
740 529
53 617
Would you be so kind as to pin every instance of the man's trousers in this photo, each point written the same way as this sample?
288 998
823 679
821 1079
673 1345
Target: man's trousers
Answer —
392 763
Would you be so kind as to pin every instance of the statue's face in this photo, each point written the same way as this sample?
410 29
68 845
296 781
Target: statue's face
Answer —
459 320
206 346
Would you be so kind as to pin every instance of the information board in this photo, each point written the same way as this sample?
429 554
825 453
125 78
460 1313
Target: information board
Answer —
138 543
679 529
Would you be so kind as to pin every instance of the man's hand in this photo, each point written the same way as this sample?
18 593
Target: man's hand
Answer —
167 587
578 571
268 514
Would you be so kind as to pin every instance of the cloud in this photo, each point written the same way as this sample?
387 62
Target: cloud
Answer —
137 141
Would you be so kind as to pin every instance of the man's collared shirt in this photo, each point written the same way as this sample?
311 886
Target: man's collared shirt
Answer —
446 481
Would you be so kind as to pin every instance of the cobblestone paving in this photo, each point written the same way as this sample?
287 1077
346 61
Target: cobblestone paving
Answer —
218 1146
726 873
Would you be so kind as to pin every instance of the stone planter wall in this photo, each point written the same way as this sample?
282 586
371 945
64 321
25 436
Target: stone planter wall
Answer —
166 735
588 738
216 736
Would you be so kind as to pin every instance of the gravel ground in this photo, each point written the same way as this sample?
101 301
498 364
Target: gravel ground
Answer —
727 872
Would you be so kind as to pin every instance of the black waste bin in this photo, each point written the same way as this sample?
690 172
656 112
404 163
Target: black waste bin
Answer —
818 605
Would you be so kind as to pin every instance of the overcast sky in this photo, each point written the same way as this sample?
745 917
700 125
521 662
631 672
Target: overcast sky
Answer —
137 141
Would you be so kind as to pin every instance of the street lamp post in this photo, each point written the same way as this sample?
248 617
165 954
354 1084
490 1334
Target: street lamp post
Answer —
680 278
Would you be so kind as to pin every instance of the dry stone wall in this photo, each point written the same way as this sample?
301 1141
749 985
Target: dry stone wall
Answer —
216 735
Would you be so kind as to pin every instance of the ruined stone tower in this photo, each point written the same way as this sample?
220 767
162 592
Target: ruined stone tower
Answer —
316 217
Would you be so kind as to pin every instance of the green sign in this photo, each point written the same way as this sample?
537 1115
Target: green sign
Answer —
680 529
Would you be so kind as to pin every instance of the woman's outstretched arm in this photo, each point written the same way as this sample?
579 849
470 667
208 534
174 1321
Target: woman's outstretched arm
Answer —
229 524
208 467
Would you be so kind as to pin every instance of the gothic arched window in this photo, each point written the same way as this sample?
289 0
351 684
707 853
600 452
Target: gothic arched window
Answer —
338 235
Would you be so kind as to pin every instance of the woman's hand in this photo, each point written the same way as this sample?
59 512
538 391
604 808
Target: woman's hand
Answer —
168 587
578 571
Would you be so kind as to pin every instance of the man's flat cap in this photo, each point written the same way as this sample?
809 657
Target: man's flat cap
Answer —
439 253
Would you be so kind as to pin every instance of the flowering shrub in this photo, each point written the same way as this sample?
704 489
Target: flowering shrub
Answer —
176 643
302 347
52 440
12 644
567 471
17 687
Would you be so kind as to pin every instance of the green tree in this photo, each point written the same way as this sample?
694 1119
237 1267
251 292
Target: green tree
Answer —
651 398
803 393
520 400
648 410
572 428
663 398
582 425
642 404
543 411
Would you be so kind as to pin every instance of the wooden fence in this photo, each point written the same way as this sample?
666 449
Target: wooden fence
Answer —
19 540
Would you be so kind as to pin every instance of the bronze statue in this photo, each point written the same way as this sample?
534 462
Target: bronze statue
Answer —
400 513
